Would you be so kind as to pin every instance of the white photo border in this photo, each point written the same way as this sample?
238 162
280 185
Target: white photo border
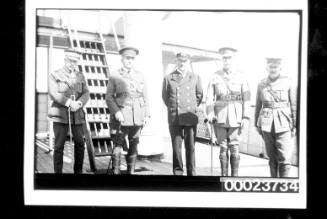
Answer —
159 198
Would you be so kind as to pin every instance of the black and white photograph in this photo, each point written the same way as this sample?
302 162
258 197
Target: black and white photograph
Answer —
184 101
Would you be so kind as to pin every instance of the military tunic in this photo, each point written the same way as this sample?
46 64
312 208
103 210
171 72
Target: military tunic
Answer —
228 97
276 104
275 116
182 96
126 92
63 84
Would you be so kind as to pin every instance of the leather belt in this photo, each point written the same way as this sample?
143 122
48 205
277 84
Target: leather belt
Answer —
125 94
275 105
229 97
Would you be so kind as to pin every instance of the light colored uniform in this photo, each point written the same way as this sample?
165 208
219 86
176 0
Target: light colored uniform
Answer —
275 115
228 98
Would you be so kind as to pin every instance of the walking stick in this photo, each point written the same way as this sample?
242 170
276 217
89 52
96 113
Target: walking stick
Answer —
70 122
211 149
211 170
211 143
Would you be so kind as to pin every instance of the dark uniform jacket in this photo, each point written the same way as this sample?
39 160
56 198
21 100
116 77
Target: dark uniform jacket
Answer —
276 103
228 97
127 92
182 97
62 85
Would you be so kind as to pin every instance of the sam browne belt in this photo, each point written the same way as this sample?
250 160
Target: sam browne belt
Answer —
229 97
275 105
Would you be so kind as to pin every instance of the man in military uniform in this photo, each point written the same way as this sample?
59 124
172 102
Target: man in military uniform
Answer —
275 117
129 109
182 94
228 109
68 92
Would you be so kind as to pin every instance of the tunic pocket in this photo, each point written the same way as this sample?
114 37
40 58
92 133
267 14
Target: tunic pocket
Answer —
238 111
81 113
58 112
142 102
220 89
288 122
78 87
265 119
140 86
221 114
62 87
142 108
235 88
283 94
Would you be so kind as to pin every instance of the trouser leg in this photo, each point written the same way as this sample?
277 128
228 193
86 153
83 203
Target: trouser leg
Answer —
78 134
221 135
233 144
176 139
284 146
269 139
60 133
190 132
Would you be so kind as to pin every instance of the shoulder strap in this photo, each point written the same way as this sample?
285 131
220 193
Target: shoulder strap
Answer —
273 93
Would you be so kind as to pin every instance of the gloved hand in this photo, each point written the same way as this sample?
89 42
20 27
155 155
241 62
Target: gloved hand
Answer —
146 120
244 123
213 140
211 117
75 105
79 103
119 116
293 132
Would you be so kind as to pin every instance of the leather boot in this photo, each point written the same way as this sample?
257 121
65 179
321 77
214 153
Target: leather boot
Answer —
224 164
131 160
79 159
116 160
284 170
273 168
235 162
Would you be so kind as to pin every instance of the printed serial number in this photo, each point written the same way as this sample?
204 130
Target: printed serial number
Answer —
260 185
